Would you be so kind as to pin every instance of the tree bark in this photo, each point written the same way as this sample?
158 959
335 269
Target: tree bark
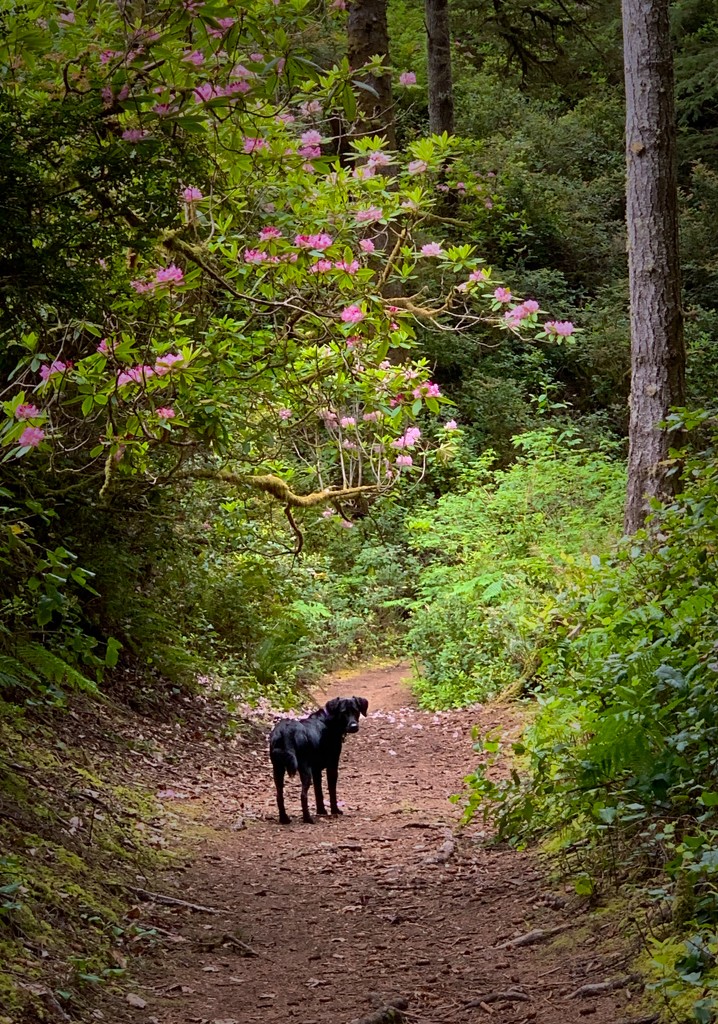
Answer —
657 346
367 36
438 44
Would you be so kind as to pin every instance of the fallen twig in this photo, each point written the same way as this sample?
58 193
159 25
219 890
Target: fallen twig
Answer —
532 937
172 901
511 995
600 987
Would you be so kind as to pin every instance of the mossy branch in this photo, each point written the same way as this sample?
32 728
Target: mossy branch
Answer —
276 487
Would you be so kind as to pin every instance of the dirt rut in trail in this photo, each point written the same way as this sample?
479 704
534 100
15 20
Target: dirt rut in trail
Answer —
384 901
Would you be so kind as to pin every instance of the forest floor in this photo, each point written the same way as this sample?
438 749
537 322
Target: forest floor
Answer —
327 924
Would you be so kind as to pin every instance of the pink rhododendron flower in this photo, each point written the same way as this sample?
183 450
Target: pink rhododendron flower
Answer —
165 413
531 306
366 245
195 57
237 87
162 109
349 445
269 232
562 328
418 167
321 241
285 414
347 421
432 249
109 55
320 267
311 138
204 92
404 460
142 286
258 58
407 78
502 295
364 172
450 425
328 513
254 256
31 437
192 195
369 216
348 268
134 134
372 417
311 107
135 375
26 412
346 525
68 17
167 362
252 145
309 153
409 438
352 314
427 390
339 5
169 275
239 71
378 158
461 186
479 275
103 348
57 366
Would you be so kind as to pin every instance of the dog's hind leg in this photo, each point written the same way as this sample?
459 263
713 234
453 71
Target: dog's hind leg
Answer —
332 776
306 777
279 785
318 794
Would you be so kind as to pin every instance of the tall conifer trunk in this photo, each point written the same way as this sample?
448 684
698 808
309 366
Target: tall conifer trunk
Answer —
368 35
438 43
657 347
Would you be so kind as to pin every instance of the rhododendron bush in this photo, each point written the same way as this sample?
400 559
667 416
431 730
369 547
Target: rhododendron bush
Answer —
250 335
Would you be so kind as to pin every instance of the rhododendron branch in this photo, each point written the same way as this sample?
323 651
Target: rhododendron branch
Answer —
295 529
277 487
393 256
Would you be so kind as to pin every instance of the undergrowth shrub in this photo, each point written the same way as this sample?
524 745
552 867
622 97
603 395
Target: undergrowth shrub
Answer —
619 772
497 555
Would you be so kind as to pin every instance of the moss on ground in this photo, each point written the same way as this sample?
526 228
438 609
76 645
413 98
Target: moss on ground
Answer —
69 836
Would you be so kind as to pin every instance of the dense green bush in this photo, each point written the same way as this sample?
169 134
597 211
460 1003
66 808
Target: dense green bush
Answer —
497 555
619 763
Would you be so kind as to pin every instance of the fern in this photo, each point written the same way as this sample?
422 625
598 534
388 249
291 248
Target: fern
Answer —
53 669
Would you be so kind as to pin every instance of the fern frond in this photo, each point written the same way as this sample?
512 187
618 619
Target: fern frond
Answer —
54 669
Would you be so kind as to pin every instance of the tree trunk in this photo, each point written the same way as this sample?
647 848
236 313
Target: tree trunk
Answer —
367 36
657 347
438 44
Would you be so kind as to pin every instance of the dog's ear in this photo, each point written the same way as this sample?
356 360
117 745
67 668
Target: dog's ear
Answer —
361 704
332 706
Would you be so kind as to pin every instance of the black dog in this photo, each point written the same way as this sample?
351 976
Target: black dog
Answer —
310 746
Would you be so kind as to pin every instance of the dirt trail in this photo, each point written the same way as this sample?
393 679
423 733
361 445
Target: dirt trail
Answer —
384 901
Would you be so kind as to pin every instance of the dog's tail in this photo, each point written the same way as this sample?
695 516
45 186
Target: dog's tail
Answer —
283 756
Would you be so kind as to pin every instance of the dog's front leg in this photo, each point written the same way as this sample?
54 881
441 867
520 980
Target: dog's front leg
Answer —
332 776
318 794
306 777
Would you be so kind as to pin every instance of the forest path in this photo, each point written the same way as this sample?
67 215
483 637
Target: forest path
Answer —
382 902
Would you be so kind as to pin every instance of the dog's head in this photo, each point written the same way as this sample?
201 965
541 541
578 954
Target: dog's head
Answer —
345 711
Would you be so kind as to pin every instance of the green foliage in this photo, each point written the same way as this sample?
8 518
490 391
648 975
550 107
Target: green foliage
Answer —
618 764
496 557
